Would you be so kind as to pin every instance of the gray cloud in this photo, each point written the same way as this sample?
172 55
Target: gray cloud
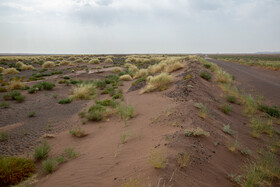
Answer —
128 26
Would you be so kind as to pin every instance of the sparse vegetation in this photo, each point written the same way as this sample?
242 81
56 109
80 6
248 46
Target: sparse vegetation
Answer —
125 78
203 110
10 71
70 153
65 101
49 166
31 114
260 125
227 130
226 108
272 111
83 91
125 111
231 98
48 64
4 104
3 136
124 136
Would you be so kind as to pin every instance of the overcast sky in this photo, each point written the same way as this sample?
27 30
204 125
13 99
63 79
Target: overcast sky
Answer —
139 26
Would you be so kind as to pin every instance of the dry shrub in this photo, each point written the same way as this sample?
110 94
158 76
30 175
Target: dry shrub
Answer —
141 73
48 64
16 85
1 69
157 67
10 71
83 91
196 132
173 67
117 70
108 60
159 82
126 78
94 61
65 63
13 170
131 67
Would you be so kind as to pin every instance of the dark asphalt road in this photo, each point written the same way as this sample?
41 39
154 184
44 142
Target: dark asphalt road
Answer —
261 81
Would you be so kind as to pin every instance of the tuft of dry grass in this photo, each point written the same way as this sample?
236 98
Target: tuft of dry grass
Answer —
158 82
16 85
10 71
48 64
94 61
125 77
65 63
108 60
131 67
157 159
1 69
141 73
174 67
83 91
196 132
23 66
117 70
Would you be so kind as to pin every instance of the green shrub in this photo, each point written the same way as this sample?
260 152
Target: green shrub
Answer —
272 111
42 151
13 170
107 102
47 85
19 98
3 89
109 90
3 136
226 108
231 99
78 132
96 112
48 166
207 66
100 84
31 114
205 75
65 101
227 130
4 105
70 153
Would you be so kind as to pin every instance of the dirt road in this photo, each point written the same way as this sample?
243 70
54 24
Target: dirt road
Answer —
258 81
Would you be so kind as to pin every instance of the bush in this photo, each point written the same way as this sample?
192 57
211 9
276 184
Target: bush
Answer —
107 102
10 71
83 91
19 98
173 67
231 99
94 61
96 112
183 159
70 153
196 132
125 78
272 111
109 90
3 136
78 132
141 73
157 159
205 75
117 70
65 101
3 89
31 114
100 84
47 85
13 170
16 85
207 66
65 63
48 64
108 60
226 108
1 69
48 166
227 130
42 151
158 82
4 105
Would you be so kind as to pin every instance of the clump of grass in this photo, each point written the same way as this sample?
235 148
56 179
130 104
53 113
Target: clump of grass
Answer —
203 110
272 111
117 70
262 172
231 98
233 147
196 132
48 64
42 85
3 89
70 153
260 125
125 136
227 130
157 159
78 132
65 101
65 63
94 61
42 152
250 105
97 112
158 82
205 75
133 183
14 95
126 77
10 71
183 159
49 166
3 136
173 67
141 73
207 65
4 104
31 114
60 159
13 170
226 108
125 111
16 85
83 91
108 60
